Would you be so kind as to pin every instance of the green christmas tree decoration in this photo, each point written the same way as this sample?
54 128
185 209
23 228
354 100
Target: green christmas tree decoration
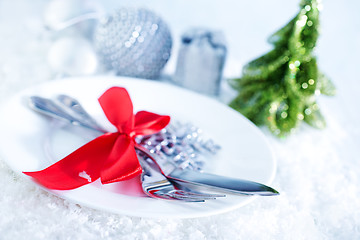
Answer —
280 88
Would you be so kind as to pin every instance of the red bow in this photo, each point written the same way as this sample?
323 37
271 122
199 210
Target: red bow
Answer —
110 157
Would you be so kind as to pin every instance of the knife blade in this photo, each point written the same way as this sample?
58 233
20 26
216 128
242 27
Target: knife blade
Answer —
221 183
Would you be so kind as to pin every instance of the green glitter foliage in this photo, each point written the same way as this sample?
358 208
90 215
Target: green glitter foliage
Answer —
279 89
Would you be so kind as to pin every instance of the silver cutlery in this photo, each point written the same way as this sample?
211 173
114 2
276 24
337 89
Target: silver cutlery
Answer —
170 170
77 110
154 183
210 181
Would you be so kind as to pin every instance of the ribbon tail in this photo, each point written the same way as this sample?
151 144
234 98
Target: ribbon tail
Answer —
81 167
147 123
122 163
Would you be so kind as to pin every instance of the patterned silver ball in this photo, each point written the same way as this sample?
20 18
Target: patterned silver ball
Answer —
133 42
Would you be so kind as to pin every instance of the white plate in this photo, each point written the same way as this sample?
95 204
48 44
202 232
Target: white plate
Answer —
244 154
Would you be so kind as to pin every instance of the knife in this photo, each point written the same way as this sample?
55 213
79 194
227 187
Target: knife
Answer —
171 171
208 180
221 183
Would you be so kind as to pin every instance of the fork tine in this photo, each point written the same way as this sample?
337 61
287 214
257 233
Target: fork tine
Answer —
184 188
189 199
164 190
173 196
173 193
200 195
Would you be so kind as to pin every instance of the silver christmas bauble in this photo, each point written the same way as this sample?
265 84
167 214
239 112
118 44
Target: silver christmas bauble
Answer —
133 42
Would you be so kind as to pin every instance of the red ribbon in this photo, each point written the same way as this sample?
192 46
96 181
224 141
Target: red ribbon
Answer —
110 157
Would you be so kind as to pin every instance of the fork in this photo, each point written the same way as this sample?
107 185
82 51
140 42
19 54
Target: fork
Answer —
154 183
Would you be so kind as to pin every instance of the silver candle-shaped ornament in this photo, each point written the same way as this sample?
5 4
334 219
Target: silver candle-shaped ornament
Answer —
201 60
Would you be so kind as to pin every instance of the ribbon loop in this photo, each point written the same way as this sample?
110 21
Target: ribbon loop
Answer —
147 123
118 108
